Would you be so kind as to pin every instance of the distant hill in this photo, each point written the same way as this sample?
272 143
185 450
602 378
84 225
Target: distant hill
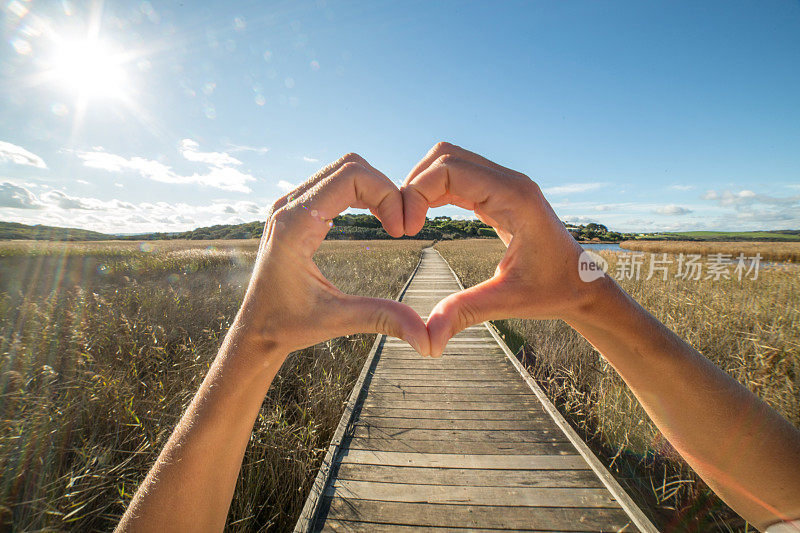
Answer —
14 230
365 226
774 236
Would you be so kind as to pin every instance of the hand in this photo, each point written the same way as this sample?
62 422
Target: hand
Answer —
289 303
538 276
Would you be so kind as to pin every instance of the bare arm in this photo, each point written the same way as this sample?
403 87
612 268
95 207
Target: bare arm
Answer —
288 305
744 450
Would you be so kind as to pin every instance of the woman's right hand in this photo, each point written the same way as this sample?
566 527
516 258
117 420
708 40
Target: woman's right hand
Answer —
538 276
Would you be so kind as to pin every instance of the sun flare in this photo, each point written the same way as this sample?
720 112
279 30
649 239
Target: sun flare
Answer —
91 68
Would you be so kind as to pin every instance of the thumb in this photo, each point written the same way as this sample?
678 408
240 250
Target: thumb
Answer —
378 315
462 310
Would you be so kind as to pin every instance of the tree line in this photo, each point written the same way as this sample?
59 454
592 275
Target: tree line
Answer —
345 227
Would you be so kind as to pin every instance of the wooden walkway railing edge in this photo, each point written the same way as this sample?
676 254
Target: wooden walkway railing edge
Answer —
305 523
638 517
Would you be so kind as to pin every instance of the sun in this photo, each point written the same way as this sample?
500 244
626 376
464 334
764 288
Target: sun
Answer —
91 68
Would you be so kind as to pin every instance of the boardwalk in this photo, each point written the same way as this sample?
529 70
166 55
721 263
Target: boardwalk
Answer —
466 442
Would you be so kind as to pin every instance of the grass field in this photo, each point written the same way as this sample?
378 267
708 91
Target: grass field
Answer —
783 235
102 346
770 251
749 328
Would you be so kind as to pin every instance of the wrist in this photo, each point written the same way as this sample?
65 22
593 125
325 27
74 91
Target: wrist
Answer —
602 304
250 350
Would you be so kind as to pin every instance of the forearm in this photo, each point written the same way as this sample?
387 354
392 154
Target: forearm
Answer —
191 485
743 449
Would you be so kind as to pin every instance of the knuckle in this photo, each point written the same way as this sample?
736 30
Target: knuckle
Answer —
279 203
350 167
443 146
383 323
446 159
282 215
352 157
466 316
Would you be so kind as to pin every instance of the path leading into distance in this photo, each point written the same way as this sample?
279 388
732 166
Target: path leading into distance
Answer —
467 441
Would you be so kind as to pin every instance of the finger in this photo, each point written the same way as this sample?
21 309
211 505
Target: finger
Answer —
446 148
490 193
464 309
352 185
319 176
376 315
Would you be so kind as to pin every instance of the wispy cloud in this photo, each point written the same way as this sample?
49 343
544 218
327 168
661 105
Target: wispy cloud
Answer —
286 186
308 159
222 173
190 149
571 188
244 148
19 155
66 201
681 187
672 209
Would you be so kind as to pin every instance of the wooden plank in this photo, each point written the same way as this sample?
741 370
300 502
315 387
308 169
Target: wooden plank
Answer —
418 515
460 337
448 414
510 496
406 382
460 460
513 399
456 406
461 448
465 358
353 527
538 435
473 346
469 477
542 422
449 364
507 390
451 374
423 389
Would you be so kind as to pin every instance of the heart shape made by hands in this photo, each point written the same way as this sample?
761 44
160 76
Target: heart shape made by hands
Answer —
537 277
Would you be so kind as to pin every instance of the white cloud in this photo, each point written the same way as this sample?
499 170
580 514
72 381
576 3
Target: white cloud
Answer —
571 188
220 175
58 208
17 197
673 209
310 159
244 148
285 186
681 187
83 182
65 201
190 150
19 155
746 197
579 219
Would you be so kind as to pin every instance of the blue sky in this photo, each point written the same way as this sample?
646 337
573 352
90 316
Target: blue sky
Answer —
141 116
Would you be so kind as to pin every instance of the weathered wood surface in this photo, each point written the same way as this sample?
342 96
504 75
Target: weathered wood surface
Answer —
462 442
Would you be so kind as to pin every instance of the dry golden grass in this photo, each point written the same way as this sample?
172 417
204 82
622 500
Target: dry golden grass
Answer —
770 251
102 346
749 328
